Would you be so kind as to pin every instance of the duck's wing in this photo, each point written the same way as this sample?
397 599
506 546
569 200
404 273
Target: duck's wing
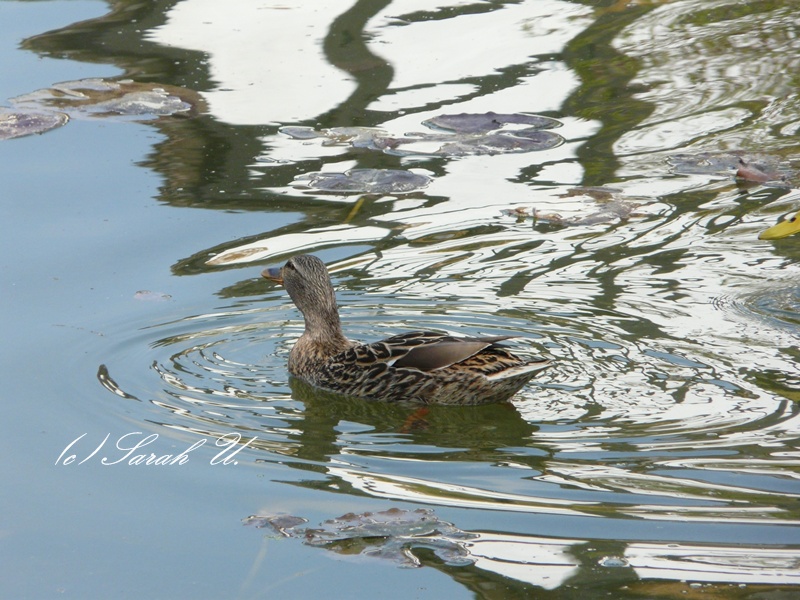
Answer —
427 350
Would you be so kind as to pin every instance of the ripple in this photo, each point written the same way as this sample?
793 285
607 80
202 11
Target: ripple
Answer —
778 307
737 73
617 425
709 83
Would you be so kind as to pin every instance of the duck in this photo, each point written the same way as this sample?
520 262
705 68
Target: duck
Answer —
421 367
782 229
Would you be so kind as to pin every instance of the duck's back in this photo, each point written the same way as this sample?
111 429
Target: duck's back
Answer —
426 367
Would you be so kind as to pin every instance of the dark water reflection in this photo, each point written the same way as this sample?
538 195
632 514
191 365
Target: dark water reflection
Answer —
664 436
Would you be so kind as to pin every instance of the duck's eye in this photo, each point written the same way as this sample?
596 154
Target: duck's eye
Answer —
290 265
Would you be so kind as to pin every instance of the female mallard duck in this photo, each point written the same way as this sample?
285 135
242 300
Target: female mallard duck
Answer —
419 366
782 229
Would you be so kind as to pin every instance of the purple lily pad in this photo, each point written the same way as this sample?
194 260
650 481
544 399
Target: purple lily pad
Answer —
373 181
19 122
501 143
486 122
458 135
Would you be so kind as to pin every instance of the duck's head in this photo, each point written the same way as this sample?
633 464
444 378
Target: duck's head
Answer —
782 229
306 279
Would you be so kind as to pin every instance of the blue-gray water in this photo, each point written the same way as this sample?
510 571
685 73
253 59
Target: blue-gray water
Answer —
658 456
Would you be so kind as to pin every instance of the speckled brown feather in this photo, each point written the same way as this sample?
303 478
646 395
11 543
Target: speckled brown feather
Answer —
419 366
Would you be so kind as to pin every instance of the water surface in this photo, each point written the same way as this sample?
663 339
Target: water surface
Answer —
657 457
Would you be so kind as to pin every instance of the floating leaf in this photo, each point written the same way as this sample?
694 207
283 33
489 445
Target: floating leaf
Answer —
387 523
704 163
153 102
462 135
390 534
301 133
373 181
19 122
486 122
502 143
282 524
606 213
101 97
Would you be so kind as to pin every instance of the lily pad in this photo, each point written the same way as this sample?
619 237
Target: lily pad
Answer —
458 135
19 122
610 206
280 524
486 122
373 181
389 523
356 136
353 135
153 102
107 98
301 133
611 211
501 143
391 535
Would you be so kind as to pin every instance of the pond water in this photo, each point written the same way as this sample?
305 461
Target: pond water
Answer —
656 458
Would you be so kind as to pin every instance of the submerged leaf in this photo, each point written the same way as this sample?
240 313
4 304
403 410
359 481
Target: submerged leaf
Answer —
390 534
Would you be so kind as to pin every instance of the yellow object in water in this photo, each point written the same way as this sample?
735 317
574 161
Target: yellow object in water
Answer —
782 229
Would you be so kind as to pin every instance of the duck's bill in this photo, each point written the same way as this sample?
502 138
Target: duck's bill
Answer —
273 274
781 230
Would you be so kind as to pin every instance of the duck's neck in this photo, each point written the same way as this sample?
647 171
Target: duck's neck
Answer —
322 339
322 325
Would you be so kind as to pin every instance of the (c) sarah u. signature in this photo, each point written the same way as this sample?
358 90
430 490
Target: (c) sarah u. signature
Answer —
128 450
